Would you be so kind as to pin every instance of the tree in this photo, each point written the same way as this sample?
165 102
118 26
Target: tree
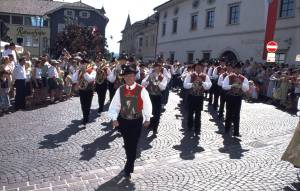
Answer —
3 32
76 38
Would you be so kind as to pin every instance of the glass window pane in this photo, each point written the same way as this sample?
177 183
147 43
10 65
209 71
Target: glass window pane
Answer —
5 18
18 20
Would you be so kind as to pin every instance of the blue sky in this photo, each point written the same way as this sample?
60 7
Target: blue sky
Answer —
117 12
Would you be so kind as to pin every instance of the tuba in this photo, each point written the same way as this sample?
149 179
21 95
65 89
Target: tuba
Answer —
82 83
101 72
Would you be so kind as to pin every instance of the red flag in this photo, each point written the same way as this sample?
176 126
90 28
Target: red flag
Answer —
270 24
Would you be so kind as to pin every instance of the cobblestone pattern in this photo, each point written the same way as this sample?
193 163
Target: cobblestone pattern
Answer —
46 149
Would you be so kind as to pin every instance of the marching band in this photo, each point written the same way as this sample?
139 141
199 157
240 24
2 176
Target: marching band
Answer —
138 93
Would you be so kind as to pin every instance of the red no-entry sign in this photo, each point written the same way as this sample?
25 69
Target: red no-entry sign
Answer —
272 46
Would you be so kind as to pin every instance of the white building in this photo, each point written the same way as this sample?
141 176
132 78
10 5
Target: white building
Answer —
190 29
139 39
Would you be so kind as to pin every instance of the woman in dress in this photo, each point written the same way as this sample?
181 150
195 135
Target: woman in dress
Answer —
292 153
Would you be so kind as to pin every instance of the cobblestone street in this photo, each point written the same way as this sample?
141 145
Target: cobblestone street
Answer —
47 149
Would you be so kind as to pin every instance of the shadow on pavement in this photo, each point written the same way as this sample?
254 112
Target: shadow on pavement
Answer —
53 141
145 142
101 143
117 183
293 187
189 146
233 147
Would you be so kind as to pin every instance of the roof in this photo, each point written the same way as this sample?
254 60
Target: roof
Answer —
29 7
168 3
40 7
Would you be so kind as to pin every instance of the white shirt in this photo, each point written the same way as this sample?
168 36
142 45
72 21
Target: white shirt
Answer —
220 80
298 107
19 72
188 85
38 73
227 86
215 75
6 52
162 85
52 72
115 105
88 77
210 72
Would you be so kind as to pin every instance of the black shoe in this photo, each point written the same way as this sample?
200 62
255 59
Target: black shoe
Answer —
237 135
100 110
154 132
126 175
197 133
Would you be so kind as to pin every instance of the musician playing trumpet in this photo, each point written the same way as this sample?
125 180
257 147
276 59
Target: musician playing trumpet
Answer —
85 77
197 83
155 82
236 85
101 82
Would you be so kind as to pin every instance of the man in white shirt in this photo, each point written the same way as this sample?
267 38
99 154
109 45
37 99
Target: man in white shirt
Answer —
197 83
236 85
155 83
130 106
19 77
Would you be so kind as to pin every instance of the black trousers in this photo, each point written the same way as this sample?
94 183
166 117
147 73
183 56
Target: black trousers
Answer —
156 101
233 110
195 106
165 94
111 90
131 132
222 103
101 90
216 93
20 94
86 97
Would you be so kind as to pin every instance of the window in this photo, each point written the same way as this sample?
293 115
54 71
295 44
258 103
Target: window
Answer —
164 29
280 58
140 42
60 28
35 42
287 8
206 55
234 14
84 14
69 13
146 41
195 4
28 41
194 21
165 14
17 20
45 42
172 56
210 18
20 41
176 10
175 22
153 40
35 21
190 57
5 18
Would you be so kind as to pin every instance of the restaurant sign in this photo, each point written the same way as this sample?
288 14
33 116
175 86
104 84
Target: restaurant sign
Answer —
22 32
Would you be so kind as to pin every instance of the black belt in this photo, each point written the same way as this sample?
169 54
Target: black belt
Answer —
131 116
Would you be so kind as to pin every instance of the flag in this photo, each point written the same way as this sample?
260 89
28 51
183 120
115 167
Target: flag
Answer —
271 18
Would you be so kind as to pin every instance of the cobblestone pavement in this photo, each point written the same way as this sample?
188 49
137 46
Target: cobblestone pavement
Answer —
46 149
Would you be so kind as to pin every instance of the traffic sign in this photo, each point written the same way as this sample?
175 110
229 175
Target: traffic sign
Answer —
298 58
271 57
272 46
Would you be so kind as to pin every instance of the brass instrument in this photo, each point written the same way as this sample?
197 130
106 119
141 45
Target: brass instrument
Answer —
101 72
82 83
